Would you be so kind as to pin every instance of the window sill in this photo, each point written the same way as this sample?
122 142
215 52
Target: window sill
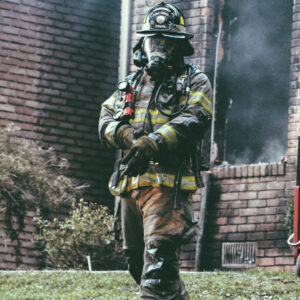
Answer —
252 170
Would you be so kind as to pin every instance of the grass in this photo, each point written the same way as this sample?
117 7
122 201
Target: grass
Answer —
81 285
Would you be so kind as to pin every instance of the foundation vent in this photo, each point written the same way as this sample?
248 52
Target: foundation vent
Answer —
238 255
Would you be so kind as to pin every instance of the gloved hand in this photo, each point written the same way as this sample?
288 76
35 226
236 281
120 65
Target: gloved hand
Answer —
125 136
139 155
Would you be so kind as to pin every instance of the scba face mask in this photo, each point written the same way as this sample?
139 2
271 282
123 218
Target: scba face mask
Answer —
161 54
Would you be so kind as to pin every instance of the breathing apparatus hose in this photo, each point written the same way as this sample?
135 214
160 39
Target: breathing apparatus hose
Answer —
187 96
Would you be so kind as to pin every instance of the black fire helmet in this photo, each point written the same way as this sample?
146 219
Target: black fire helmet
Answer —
166 20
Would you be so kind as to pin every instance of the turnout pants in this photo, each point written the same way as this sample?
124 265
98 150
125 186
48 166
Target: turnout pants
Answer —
153 232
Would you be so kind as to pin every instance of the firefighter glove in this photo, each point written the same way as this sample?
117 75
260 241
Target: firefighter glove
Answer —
139 155
125 136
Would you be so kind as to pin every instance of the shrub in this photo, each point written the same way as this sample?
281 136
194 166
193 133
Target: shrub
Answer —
87 232
30 177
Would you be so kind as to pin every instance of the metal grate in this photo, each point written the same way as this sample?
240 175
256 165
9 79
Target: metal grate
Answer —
238 255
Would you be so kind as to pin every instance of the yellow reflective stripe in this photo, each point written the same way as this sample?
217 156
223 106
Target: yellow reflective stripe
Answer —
188 183
208 109
140 111
137 120
202 99
155 112
154 116
201 94
198 97
110 103
109 106
109 134
120 188
151 179
169 134
133 183
157 118
140 115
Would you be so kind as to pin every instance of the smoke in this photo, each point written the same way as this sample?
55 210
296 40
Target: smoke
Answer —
255 75
272 151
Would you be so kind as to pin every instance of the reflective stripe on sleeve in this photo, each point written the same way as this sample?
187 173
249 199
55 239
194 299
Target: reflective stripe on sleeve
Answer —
109 134
110 103
169 134
198 97
140 116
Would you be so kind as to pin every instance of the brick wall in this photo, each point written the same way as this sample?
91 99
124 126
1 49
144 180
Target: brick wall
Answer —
29 256
59 60
248 207
25 252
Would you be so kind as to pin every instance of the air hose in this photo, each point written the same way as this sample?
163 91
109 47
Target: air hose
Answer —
187 96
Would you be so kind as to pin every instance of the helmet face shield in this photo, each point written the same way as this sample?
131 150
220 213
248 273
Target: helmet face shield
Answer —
161 53
158 46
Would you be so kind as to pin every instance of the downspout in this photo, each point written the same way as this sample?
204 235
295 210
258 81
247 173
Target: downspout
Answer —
124 54
212 138
125 39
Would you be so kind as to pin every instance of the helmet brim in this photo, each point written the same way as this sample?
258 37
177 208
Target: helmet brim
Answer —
166 34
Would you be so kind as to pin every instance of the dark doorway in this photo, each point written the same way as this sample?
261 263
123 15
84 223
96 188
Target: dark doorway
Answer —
253 84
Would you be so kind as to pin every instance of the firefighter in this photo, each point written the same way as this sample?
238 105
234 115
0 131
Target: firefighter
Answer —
157 118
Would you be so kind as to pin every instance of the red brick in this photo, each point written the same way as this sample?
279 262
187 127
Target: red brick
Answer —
255 236
266 244
273 268
276 202
275 235
221 221
248 212
257 203
236 237
227 228
265 261
257 186
238 188
275 218
284 261
273 252
247 195
246 227
275 185
267 194
237 220
281 226
267 211
290 268
281 243
265 227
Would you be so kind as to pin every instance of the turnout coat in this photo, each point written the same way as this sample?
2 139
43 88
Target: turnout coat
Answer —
178 136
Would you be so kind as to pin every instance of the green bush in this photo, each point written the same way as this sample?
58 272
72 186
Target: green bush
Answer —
30 178
87 232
